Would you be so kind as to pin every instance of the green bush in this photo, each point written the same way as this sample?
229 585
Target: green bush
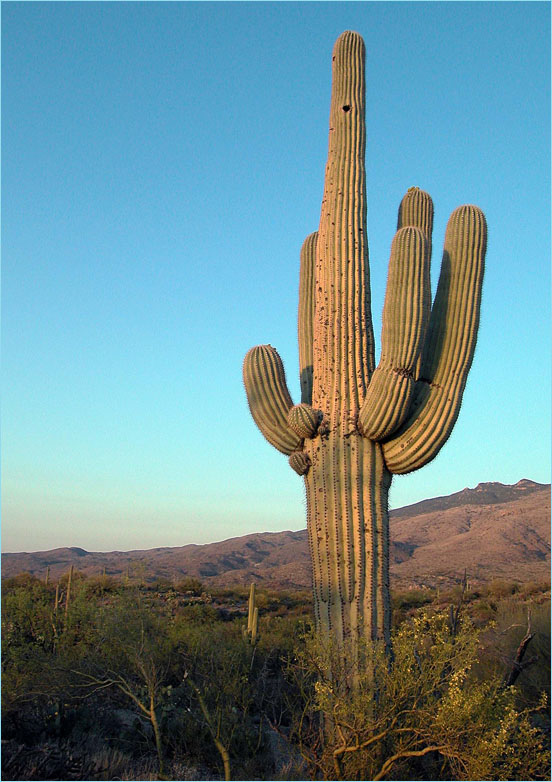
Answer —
536 588
499 588
91 672
407 603
21 580
99 585
425 715
190 585
412 598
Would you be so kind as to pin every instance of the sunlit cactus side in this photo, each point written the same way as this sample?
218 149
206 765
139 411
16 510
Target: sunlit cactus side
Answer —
358 424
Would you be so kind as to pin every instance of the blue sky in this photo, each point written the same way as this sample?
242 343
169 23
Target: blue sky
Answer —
161 165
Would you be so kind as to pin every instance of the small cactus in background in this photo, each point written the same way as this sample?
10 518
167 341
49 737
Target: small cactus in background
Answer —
68 593
250 633
358 424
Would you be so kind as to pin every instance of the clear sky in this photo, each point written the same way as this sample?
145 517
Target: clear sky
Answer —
161 165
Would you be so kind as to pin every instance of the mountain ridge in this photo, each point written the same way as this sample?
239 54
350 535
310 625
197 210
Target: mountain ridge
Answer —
488 530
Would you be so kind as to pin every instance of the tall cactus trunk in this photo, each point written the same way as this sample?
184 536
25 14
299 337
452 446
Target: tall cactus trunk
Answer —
347 483
347 488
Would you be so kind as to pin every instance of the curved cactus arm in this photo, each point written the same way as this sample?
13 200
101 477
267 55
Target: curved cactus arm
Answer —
449 346
268 397
405 319
306 315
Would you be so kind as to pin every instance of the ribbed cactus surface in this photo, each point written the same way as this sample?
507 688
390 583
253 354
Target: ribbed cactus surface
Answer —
358 424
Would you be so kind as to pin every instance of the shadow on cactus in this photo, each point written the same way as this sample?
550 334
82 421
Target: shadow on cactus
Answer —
357 424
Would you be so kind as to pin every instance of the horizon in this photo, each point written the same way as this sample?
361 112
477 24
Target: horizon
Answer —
267 532
157 189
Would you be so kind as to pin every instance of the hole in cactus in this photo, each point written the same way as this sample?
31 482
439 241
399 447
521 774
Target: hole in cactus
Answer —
346 108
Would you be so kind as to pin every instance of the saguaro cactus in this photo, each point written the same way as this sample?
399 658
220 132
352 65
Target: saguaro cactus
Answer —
250 632
357 425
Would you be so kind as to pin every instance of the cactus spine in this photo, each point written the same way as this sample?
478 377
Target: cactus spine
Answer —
358 424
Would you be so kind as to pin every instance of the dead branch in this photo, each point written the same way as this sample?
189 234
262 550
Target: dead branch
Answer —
390 762
517 665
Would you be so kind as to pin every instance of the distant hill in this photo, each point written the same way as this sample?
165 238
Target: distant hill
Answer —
483 494
494 531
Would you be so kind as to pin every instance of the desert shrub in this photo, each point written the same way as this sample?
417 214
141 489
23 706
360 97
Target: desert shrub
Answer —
423 715
296 599
21 580
190 585
110 659
535 588
98 585
411 598
40 644
407 603
85 674
482 612
235 593
279 634
76 576
202 613
455 594
500 642
500 588
160 585
226 686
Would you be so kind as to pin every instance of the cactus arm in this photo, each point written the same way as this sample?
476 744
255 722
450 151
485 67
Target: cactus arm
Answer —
306 315
416 208
449 346
405 318
268 397
408 295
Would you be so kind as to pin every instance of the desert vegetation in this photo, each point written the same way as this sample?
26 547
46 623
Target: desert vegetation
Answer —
110 679
113 679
